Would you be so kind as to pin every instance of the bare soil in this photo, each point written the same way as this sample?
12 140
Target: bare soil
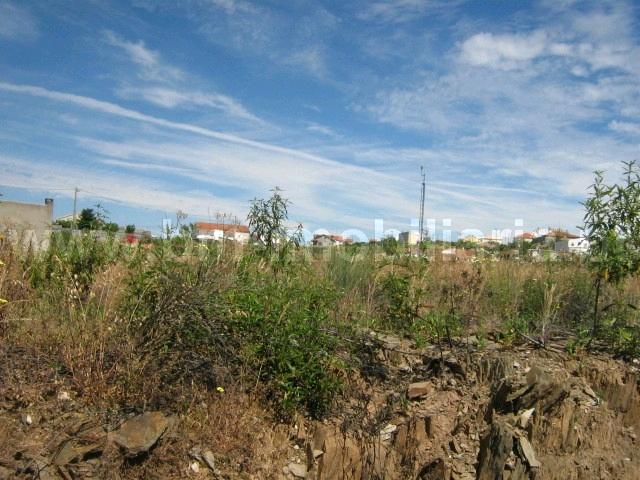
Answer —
472 419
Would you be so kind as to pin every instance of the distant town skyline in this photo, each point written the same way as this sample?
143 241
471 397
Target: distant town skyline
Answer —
150 107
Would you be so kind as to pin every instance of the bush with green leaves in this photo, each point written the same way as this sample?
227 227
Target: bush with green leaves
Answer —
399 302
70 258
285 324
390 245
612 227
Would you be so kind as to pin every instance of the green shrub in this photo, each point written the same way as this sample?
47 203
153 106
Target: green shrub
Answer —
76 259
284 323
399 308
436 327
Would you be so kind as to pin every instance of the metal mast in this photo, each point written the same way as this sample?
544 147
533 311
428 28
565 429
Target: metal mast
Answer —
74 219
421 220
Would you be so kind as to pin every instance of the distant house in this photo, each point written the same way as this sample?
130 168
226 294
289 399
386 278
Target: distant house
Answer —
327 240
526 237
134 237
493 239
577 245
219 231
69 218
457 254
411 237
27 224
554 235
472 239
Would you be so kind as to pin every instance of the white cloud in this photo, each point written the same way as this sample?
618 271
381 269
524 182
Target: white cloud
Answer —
233 160
311 59
504 51
123 188
232 6
295 37
16 23
625 127
171 98
398 11
325 192
322 129
171 87
151 65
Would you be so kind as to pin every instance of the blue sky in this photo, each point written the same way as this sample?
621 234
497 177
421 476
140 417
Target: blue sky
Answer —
153 106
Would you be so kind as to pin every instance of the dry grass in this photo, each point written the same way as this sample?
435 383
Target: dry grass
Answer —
82 334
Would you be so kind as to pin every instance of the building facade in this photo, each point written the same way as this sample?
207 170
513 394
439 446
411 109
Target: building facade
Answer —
578 245
411 237
27 224
219 231
327 240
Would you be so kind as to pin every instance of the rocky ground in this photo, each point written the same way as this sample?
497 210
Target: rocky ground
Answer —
473 410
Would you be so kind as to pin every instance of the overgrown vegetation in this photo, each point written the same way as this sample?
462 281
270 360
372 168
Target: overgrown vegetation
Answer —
154 325
612 226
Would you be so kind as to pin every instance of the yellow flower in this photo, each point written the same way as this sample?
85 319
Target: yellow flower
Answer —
3 301
220 389
1 263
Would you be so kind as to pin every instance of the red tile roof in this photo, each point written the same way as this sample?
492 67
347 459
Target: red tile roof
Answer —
526 236
333 238
561 234
225 227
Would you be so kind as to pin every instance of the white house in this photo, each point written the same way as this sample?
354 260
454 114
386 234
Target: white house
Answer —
218 231
411 237
324 240
578 245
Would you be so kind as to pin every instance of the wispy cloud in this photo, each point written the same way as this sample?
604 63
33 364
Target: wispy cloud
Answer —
625 127
171 98
170 87
117 110
325 192
509 109
503 51
398 11
121 188
322 129
311 59
236 160
151 65
297 42
17 23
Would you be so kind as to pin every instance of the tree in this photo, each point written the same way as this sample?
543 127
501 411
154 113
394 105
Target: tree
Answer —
267 223
110 227
130 229
87 220
390 245
612 228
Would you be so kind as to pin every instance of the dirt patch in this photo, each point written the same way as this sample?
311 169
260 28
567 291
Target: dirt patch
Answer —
467 412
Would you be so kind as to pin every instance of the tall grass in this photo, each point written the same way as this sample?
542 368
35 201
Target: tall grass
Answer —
154 325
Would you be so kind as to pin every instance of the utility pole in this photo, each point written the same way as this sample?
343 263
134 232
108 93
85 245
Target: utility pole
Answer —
75 204
421 220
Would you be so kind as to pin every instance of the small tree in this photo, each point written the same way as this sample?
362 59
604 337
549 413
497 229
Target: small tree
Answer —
130 229
111 227
87 220
267 220
267 223
390 245
612 227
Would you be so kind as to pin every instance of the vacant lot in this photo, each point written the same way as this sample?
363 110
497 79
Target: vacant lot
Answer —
326 363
